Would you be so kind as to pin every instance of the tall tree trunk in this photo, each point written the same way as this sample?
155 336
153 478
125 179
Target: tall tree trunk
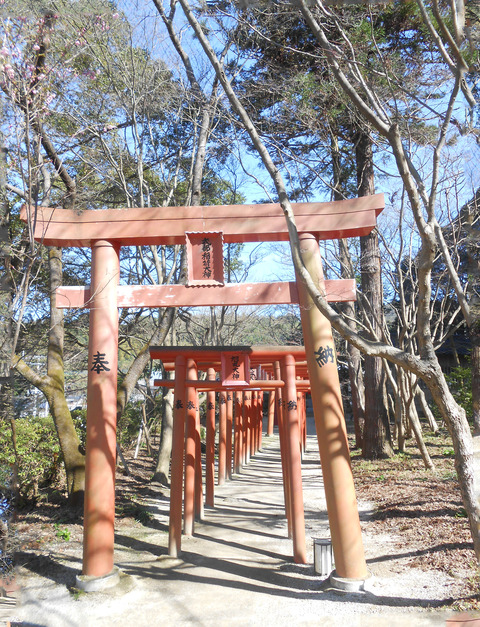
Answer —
473 267
462 440
6 304
475 357
427 412
52 386
74 460
354 359
376 434
162 469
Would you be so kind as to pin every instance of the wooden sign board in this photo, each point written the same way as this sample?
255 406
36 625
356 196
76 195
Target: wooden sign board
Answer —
235 369
205 258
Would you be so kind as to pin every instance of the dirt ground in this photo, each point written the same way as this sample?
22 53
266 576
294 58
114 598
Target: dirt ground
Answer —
237 569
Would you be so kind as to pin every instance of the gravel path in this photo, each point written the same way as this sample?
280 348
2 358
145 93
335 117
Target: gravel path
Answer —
236 569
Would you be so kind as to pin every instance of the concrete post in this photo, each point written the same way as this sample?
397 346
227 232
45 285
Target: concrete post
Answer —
98 534
330 424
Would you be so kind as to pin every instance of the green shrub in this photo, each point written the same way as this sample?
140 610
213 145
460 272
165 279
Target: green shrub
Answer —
129 424
460 384
79 417
38 453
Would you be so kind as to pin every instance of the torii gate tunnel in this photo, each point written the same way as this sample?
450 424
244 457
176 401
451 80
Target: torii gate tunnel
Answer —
203 230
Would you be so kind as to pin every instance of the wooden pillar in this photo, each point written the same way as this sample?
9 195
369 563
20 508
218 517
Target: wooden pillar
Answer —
283 448
301 421
222 438
178 447
293 458
330 424
228 458
238 436
260 419
98 531
271 411
247 418
190 450
210 449
198 464
253 423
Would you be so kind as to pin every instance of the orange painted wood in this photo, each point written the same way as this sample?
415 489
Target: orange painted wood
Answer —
239 223
222 438
178 444
229 434
203 385
235 368
211 355
99 513
204 258
210 444
293 459
190 452
232 294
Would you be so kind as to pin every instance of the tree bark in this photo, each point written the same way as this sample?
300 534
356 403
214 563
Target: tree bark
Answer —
6 298
376 433
475 357
52 385
426 410
462 440
69 441
354 359
162 469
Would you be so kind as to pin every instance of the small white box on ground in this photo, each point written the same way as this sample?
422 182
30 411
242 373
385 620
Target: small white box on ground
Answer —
323 556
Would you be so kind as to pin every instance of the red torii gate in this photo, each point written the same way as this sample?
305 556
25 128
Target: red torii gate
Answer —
235 365
203 230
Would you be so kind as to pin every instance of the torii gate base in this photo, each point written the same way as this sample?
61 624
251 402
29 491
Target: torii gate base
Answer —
105 232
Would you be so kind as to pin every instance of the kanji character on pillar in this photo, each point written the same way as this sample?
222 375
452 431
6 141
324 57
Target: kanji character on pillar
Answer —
99 363
324 355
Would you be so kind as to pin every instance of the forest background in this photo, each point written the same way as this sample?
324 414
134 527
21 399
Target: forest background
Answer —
134 104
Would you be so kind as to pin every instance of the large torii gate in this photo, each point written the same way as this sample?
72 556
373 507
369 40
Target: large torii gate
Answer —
204 230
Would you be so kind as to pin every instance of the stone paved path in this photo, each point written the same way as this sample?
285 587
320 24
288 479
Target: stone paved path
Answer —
237 569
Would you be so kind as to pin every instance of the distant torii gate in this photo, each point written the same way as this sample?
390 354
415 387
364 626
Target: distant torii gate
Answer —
203 230
243 374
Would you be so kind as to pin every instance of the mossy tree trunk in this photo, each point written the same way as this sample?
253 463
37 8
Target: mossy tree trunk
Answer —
52 385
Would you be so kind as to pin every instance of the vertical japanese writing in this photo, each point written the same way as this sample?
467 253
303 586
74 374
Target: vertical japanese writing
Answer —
99 363
324 355
235 359
206 257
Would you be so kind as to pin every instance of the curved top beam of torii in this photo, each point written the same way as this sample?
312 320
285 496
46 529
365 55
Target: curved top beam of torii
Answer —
238 223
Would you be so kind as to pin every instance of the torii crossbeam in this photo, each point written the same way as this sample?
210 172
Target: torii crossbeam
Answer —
204 230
